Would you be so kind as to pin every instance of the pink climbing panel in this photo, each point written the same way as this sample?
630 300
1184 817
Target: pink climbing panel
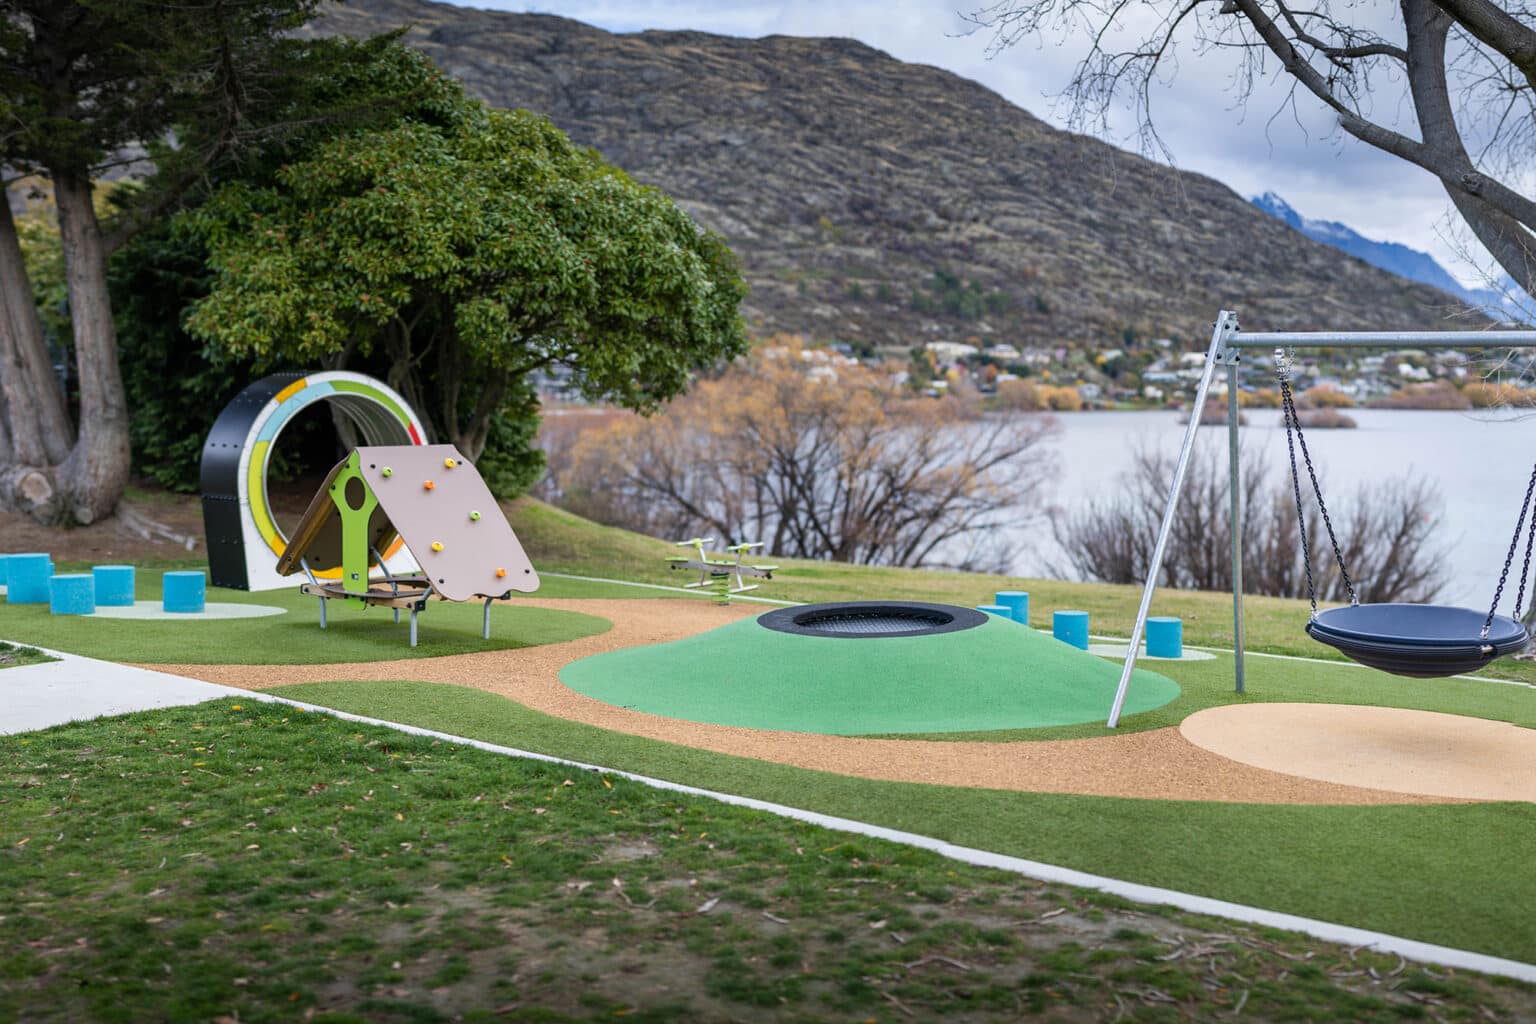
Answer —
445 514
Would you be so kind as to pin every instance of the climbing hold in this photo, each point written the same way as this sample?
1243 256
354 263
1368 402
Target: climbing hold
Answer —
500 573
449 463
437 545
429 485
387 471
474 517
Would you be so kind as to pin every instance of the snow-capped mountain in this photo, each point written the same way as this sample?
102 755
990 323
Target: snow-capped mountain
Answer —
1390 256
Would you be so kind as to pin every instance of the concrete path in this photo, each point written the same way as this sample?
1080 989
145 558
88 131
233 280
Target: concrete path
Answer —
74 689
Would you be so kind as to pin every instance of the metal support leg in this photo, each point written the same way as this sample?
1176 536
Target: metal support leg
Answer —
413 627
1235 482
397 616
1226 323
322 613
485 621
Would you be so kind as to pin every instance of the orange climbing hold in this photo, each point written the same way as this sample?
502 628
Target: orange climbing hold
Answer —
500 573
429 485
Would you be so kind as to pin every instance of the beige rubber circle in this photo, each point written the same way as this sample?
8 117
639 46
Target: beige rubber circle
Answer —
1393 749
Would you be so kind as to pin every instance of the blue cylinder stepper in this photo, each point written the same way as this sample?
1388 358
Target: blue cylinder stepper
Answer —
1071 627
114 585
184 592
1165 637
1017 603
994 609
27 578
72 594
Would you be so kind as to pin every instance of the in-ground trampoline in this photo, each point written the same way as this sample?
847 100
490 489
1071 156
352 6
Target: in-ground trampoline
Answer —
866 668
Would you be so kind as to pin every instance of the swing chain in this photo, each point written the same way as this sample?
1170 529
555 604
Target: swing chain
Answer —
1514 543
1283 359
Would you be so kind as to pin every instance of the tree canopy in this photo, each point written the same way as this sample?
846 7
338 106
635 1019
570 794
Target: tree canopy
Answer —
1460 73
471 252
88 87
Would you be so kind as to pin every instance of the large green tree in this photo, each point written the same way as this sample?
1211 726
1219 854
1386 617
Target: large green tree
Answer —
469 252
177 95
82 82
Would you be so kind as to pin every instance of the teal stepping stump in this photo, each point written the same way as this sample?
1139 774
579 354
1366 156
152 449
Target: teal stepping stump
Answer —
184 592
1165 637
27 578
1071 627
72 594
114 585
1017 603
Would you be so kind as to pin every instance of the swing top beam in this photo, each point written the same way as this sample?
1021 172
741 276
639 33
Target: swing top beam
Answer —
1227 339
1381 339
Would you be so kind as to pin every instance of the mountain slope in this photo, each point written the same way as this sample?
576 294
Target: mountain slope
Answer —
890 203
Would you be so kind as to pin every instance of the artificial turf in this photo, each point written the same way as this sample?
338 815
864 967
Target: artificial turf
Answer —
996 675
295 637
1454 874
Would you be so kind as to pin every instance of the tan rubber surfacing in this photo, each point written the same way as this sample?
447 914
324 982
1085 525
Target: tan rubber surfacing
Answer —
1158 764
1393 749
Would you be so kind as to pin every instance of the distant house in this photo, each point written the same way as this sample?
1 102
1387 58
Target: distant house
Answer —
1005 352
1407 371
1192 359
1152 392
951 351
1089 392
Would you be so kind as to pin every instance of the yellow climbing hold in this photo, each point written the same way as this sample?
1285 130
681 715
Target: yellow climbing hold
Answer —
437 545
449 463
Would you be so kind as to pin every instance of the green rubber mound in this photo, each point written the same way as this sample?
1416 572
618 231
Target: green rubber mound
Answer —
999 675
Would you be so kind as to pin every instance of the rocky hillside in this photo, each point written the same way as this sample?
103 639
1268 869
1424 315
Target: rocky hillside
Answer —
889 203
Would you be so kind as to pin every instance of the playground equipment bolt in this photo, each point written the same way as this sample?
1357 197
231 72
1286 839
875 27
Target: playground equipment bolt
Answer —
437 545
500 573
474 517
449 463
429 485
387 471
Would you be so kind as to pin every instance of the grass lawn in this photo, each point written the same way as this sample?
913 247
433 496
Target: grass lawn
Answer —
240 862
12 656
1451 874
295 637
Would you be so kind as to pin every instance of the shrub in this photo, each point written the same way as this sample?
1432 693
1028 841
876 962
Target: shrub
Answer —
1324 419
1437 394
1324 396
1487 394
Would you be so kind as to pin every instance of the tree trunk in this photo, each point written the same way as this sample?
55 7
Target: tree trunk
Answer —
36 417
92 478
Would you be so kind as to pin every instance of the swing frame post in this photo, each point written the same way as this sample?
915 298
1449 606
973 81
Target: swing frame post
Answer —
1226 324
1227 343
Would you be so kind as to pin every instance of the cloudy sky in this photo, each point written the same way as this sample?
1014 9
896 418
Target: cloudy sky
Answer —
1265 147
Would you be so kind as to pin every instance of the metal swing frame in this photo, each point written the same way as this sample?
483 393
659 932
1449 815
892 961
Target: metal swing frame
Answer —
1227 344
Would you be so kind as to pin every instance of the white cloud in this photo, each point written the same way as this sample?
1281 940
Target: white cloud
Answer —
1266 146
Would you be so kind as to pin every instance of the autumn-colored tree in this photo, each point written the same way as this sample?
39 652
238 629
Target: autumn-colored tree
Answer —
818 457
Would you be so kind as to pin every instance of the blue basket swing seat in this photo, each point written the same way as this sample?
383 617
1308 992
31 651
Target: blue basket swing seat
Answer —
1427 641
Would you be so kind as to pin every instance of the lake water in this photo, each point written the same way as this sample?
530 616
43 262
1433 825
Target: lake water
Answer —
1481 462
